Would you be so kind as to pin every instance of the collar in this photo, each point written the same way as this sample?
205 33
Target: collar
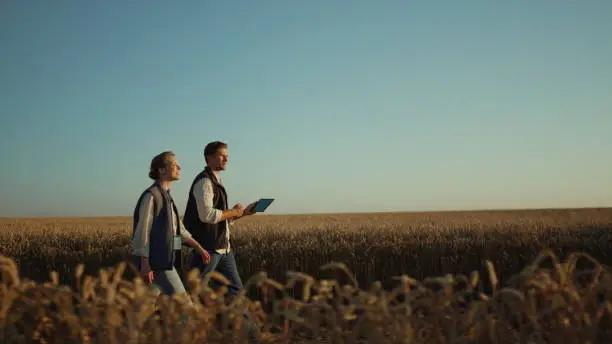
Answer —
156 183
214 176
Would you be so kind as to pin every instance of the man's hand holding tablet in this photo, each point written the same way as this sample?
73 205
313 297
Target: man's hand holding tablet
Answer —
258 206
262 204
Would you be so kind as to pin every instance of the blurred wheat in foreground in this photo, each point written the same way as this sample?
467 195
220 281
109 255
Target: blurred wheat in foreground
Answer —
559 304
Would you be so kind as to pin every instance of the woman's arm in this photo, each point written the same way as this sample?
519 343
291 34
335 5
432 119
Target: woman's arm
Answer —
140 241
188 239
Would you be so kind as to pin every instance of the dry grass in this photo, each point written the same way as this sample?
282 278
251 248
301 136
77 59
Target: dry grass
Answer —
546 302
374 246
539 305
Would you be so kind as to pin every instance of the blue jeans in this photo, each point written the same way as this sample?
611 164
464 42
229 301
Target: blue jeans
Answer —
168 281
222 263
226 265
165 281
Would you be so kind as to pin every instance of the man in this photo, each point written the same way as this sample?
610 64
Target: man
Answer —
158 232
208 218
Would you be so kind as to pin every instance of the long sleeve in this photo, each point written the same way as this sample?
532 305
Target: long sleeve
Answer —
140 241
203 193
185 235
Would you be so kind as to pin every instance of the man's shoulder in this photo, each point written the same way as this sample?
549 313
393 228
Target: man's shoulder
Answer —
201 176
202 184
202 179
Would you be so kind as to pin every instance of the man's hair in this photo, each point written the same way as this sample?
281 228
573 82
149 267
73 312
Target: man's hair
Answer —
212 148
159 161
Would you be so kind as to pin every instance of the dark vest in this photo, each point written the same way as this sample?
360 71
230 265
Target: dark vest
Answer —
212 236
162 255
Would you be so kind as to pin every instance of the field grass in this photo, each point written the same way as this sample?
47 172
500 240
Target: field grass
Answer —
561 304
376 246
547 302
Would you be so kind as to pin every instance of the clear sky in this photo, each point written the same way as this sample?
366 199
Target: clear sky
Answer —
328 106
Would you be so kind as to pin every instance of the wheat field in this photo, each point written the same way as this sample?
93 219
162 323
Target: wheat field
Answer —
375 246
502 290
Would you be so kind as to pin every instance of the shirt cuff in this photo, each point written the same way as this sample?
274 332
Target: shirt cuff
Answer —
141 251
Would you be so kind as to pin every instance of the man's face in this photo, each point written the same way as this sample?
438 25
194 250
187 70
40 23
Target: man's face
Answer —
172 171
218 161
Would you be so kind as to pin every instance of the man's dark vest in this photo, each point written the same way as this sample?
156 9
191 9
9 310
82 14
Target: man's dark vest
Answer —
212 236
162 255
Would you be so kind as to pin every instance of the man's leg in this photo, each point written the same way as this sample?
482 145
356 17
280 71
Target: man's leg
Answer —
227 266
204 268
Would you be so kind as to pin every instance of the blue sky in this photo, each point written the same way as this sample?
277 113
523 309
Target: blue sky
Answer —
328 106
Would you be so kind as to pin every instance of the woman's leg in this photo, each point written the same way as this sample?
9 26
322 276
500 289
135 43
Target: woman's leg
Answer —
168 282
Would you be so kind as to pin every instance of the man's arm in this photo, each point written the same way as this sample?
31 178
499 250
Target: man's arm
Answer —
203 193
246 212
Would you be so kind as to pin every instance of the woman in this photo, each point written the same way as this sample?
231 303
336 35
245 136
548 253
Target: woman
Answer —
158 231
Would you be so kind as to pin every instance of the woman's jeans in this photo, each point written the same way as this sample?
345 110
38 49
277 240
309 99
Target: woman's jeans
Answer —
225 264
165 281
168 282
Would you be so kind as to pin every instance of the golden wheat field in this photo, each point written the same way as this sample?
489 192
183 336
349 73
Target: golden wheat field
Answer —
493 287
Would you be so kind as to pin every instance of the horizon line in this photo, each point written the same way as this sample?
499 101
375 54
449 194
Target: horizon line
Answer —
609 207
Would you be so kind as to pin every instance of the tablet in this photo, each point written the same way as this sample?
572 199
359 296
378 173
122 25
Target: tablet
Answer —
262 205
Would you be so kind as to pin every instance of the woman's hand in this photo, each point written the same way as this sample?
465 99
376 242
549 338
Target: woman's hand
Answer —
194 244
145 271
205 255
